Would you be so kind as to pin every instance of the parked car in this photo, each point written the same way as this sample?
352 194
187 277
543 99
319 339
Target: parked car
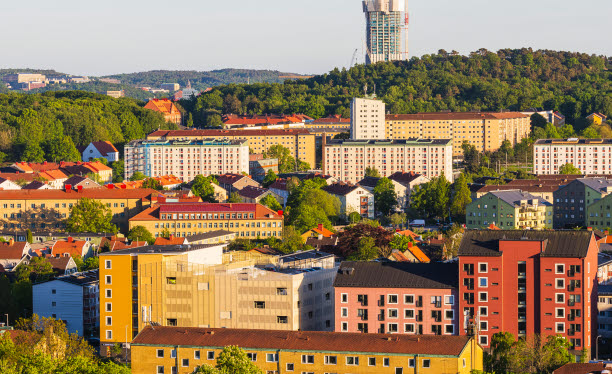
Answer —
418 223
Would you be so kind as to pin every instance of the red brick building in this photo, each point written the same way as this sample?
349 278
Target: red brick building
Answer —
529 282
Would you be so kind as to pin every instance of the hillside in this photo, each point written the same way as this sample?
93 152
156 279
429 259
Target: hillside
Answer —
573 83
200 80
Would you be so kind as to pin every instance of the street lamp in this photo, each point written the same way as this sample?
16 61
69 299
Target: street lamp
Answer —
597 347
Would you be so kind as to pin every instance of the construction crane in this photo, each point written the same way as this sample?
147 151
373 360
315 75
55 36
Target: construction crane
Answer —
354 59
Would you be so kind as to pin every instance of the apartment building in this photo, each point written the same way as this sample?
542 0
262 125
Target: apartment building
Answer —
543 189
397 298
73 299
604 311
40 210
591 156
248 221
510 209
186 159
529 282
198 285
367 119
571 201
333 122
347 160
182 350
484 130
300 142
353 198
598 214
260 166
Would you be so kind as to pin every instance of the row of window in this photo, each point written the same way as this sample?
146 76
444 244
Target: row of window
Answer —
394 299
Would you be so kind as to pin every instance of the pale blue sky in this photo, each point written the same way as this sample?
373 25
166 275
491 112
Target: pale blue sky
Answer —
314 36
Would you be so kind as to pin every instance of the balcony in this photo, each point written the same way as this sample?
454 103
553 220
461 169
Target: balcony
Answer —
571 317
419 303
571 288
419 318
571 332
381 317
571 273
438 303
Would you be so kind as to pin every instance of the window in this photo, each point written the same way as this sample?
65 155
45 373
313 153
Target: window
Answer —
185 362
392 313
392 299
484 340
344 326
559 269
483 282
371 361
53 291
392 328
352 360
109 321
290 367
109 307
409 327
449 314
344 312
482 267
560 312
408 313
484 326
344 298
260 305
483 296
449 300
408 299
170 280
559 298
559 283
210 355
411 362
282 319
426 364
272 357
173 353
308 359
484 311
160 353
160 369
560 327
109 293
330 360
386 361
196 355
109 279
449 329
281 291
399 370
252 356
109 334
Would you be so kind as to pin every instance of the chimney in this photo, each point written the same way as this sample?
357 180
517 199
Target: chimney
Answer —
68 188
70 240
320 226
11 241
171 237
44 162
80 188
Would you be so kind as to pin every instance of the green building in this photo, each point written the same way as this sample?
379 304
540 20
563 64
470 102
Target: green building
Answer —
599 213
511 209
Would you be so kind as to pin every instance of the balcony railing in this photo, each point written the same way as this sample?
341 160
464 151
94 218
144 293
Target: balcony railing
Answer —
438 303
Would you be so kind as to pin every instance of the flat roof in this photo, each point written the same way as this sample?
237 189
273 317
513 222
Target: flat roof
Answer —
160 249
390 142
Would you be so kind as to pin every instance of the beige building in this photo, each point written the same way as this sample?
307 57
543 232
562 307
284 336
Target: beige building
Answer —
485 131
300 142
41 210
248 221
367 119
192 286
186 159
25 78
591 156
347 160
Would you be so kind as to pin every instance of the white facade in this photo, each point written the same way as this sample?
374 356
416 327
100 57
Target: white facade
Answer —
6 184
386 30
354 201
92 152
591 156
347 160
186 159
75 304
367 119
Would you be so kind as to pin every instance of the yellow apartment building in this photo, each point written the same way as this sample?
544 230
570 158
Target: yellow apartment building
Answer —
48 209
300 142
249 221
182 350
486 131
195 286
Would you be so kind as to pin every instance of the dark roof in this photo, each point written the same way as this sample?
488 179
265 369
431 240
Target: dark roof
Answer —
305 255
318 243
34 185
514 197
597 184
580 368
397 275
340 188
59 264
80 279
315 341
382 143
400 176
604 289
104 148
252 192
573 141
604 258
76 179
560 243
369 182
208 235
178 248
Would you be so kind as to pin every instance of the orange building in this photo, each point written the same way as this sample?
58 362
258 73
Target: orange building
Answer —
167 109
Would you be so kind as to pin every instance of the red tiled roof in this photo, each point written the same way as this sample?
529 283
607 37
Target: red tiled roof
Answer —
14 251
164 106
408 233
92 193
72 247
232 119
230 178
399 256
303 340
252 192
332 119
104 147
219 132
418 253
323 231
153 213
169 241
454 116
279 184
580 368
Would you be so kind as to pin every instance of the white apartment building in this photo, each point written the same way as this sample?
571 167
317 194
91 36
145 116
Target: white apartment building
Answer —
591 156
73 299
186 159
347 160
353 198
367 119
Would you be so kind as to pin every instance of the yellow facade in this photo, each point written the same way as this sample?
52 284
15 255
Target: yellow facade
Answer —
145 361
48 209
116 317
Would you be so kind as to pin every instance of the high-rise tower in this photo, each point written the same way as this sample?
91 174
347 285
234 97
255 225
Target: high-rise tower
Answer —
386 30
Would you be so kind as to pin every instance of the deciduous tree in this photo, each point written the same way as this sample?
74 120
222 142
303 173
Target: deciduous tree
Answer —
90 215
140 233
385 197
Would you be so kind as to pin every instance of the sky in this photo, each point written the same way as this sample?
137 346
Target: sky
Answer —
309 37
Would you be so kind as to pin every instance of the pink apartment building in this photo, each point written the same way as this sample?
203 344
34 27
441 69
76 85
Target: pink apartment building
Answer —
396 297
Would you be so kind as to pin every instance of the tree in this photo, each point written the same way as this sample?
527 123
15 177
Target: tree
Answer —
498 360
231 360
271 202
461 197
400 242
286 163
431 199
590 133
152 183
118 169
137 176
354 217
234 198
471 158
90 263
348 240
309 206
33 152
140 233
189 122
203 187
61 148
366 250
569 169
29 237
537 120
292 241
90 215
269 178
38 269
372 172
342 136
385 197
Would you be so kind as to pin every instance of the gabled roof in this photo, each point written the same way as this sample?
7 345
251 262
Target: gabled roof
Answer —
172 240
163 106
70 246
208 235
35 185
514 197
598 184
13 251
417 253
230 178
436 275
105 148
322 231
318 341
340 188
559 243
279 184
401 177
369 182
76 179
253 192
408 233
581 368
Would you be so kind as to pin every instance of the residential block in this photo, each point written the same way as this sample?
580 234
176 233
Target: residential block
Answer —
591 156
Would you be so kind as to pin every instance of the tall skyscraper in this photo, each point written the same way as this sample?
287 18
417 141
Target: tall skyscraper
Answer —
386 30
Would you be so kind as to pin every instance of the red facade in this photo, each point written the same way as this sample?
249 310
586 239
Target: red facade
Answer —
525 283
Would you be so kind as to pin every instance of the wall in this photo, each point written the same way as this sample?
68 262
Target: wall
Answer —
68 299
